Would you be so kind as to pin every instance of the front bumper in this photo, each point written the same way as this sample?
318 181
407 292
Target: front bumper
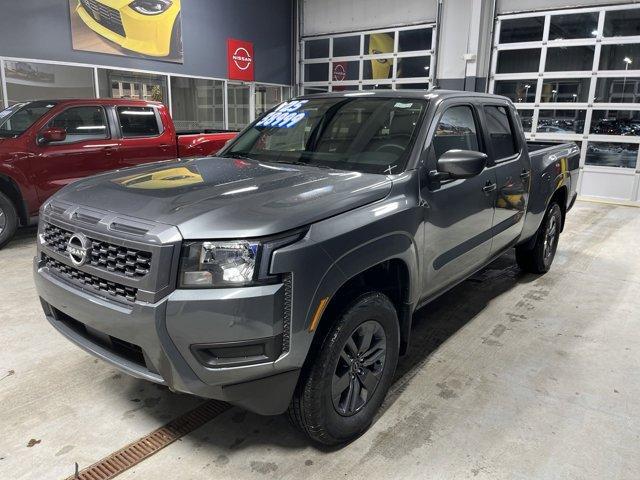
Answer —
180 340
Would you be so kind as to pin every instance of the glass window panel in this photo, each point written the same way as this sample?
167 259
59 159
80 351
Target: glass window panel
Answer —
238 105
615 122
316 48
197 104
82 123
410 67
341 71
412 86
346 46
316 72
456 130
418 39
378 43
312 90
576 25
377 86
612 154
377 68
138 121
519 91
565 90
343 88
521 30
266 97
561 121
500 132
123 84
620 57
562 59
42 81
518 61
618 23
526 119
618 90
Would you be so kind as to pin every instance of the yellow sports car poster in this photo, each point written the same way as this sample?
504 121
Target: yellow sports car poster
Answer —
134 28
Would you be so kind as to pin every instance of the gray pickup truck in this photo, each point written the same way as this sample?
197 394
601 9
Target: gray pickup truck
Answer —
282 275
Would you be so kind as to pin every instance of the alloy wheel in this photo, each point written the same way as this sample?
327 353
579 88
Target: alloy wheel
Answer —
3 221
359 368
550 237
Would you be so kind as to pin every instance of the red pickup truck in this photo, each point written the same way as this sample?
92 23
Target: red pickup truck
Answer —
46 144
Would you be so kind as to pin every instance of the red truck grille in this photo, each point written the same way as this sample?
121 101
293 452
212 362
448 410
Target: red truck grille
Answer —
86 279
105 256
106 16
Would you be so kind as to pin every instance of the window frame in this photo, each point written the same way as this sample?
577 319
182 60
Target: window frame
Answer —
157 117
517 144
105 113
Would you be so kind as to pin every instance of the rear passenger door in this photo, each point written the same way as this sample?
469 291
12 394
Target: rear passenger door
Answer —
144 139
510 163
459 213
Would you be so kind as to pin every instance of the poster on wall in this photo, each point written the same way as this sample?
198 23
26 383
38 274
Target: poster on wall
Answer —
134 28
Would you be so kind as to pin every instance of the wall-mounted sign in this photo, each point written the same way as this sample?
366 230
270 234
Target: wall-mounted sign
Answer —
240 60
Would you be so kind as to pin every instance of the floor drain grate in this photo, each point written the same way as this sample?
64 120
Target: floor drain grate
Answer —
135 452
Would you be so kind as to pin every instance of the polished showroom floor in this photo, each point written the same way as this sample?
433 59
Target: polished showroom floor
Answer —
510 376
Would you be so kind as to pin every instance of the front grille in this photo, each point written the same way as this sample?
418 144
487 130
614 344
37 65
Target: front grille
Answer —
106 16
286 317
103 255
100 285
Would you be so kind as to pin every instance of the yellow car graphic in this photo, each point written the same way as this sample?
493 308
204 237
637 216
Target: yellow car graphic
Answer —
150 27
162 179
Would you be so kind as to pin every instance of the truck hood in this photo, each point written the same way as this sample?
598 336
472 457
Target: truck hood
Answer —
226 197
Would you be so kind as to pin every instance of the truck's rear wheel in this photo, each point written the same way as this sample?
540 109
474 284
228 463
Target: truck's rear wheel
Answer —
8 219
539 258
342 389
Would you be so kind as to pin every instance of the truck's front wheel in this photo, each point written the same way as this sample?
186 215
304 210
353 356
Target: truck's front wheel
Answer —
343 387
539 258
8 219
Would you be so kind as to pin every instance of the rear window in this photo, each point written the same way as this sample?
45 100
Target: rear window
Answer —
138 121
500 131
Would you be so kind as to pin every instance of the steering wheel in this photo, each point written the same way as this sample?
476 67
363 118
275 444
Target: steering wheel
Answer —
391 146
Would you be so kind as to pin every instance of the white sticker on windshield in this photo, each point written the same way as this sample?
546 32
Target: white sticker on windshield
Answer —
403 105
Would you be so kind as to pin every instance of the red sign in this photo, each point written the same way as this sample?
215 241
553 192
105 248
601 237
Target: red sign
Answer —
240 60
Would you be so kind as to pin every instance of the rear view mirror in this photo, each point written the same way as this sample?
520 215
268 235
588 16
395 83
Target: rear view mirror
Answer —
459 164
53 134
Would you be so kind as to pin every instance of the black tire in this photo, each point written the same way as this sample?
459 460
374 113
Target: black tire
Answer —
175 48
327 417
539 258
8 219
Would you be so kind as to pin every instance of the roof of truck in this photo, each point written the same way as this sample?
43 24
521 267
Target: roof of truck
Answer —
97 101
431 94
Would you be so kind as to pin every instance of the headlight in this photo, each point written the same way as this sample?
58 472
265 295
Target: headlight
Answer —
150 7
236 263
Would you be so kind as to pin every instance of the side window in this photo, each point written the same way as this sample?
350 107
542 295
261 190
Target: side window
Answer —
82 123
456 130
500 131
138 121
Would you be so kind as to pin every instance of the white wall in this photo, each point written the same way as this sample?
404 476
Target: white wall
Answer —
513 6
331 16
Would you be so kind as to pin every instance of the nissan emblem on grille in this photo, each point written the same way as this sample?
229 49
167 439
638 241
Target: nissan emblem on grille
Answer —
78 249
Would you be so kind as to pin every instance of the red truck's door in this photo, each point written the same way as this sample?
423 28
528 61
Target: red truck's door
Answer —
90 147
147 135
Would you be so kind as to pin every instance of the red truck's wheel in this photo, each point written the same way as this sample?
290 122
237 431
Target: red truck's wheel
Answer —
539 258
345 384
8 219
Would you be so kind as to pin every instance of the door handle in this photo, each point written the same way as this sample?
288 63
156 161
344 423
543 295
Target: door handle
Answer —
525 174
489 187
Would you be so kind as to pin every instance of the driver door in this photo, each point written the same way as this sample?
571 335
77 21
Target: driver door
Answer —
458 212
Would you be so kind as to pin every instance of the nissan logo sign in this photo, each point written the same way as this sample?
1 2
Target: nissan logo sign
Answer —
78 248
242 58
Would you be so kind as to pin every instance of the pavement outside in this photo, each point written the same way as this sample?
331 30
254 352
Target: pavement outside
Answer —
510 376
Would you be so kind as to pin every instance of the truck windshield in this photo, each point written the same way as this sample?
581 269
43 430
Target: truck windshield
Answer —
17 118
369 135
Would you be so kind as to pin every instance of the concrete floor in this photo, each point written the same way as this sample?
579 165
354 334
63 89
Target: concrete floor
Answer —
510 376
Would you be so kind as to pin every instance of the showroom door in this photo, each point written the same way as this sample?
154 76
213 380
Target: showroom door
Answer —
459 213
88 149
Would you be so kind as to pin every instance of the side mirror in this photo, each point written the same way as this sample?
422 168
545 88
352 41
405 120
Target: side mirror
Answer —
52 134
459 164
